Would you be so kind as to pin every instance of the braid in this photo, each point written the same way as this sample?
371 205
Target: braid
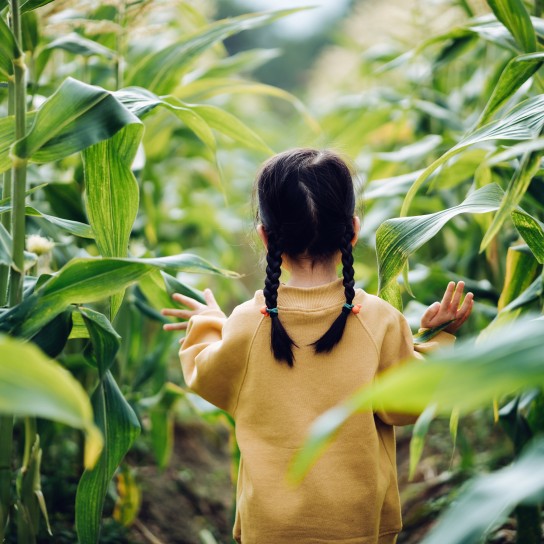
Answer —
281 343
336 330
347 265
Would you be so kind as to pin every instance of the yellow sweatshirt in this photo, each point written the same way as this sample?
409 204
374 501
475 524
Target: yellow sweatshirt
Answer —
350 496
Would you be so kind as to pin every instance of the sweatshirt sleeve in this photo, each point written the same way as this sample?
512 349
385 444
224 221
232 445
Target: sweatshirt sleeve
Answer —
397 347
214 355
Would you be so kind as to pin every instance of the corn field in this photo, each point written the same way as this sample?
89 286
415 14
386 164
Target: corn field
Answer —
129 139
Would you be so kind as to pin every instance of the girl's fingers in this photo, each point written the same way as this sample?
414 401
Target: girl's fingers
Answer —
175 326
466 306
457 296
174 312
430 314
187 301
446 299
210 299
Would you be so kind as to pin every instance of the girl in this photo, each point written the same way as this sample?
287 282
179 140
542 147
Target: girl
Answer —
300 348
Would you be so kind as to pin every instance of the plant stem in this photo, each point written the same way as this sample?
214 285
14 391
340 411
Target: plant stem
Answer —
5 218
6 445
120 46
19 166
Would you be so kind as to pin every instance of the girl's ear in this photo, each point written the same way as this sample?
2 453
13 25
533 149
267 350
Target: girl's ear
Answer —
262 235
356 229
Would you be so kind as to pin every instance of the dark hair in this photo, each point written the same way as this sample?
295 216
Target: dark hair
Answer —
306 203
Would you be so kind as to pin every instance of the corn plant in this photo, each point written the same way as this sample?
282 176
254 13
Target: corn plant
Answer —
92 127
482 168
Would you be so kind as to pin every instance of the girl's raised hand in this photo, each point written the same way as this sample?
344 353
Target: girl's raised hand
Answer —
195 309
449 309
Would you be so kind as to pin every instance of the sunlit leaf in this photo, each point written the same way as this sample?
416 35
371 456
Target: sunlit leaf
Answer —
79 45
160 71
397 239
516 73
112 193
532 231
524 122
515 17
523 175
31 384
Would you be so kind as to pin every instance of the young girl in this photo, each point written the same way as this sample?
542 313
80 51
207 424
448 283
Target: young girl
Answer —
299 348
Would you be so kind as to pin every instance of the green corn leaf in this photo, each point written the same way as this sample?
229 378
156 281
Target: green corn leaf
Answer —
141 101
532 293
514 151
78 45
524 173
73 118
488 499
231 126
245 61
6 250
52 338
26 5
30 31
515 74
532 231
421 428
428 334
7 137
173 285
9 49
397 239
210 87
112 194
73 227
521 267
120 427
465 378
161 71
33 385
104 338
85 280
515 17
524 122
161 413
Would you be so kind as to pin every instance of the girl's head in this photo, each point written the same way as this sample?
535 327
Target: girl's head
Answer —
306 204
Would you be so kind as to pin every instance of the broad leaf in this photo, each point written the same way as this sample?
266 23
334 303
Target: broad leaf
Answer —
524 122
514 16
112 193
160 71
120 427
516 73
466 378
33 385
524 173
488 499
85 280
79 45
104 338
76 116
532 231
9 49
397 239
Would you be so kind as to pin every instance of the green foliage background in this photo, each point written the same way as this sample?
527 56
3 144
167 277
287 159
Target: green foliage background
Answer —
137 155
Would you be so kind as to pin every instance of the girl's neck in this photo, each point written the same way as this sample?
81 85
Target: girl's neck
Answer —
302 273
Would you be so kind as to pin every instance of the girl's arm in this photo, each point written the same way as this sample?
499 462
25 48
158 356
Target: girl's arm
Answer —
214 352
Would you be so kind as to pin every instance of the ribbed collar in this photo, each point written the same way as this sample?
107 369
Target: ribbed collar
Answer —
309 298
